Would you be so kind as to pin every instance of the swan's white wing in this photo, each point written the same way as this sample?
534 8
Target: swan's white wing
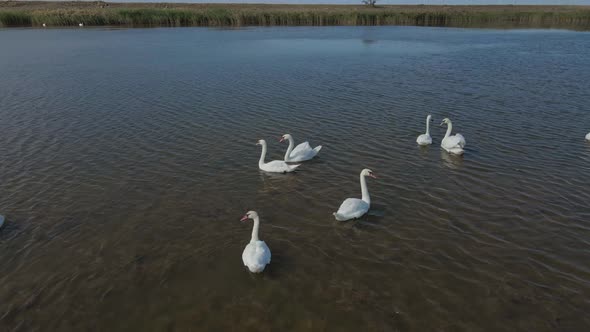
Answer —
305 155
351 208
278 166
301 150
462 141
256 256
263 252
451 142
424 139
247 253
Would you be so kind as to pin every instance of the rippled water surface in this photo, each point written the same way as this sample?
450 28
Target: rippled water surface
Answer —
127 158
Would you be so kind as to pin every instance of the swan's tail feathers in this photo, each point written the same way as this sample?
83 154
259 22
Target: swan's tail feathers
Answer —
338 216
317 149
256 268
462 141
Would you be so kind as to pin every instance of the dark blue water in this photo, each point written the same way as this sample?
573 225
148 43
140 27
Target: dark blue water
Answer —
127 158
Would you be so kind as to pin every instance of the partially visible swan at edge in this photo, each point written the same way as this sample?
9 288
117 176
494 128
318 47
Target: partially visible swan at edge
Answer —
452 143
425 139
256 255
588 137
275 166
301 152
353 208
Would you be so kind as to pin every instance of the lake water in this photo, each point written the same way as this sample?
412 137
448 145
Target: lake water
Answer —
127 157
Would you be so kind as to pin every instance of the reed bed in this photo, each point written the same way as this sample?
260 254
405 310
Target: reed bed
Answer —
34 14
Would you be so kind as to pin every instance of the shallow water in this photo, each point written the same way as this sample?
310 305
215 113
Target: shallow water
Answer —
127 158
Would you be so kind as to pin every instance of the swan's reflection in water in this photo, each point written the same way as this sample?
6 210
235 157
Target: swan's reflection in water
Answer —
423 150
450 160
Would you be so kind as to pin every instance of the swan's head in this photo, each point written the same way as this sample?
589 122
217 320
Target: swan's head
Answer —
285 137
429 117
249 215
368 172
445 121
261 142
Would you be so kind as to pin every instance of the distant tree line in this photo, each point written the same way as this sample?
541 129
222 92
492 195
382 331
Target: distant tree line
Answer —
370 2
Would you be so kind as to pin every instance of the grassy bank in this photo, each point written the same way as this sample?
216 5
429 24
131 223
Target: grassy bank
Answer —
35 14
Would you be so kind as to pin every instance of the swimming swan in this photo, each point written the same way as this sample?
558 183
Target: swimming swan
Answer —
425 139
452 143
275 166
588 137
301 152
353 208
256 255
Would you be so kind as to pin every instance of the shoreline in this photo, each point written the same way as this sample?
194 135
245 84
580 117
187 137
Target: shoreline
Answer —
99 13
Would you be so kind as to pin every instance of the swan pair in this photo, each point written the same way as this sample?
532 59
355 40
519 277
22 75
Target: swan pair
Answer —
256 256
301 152
453 144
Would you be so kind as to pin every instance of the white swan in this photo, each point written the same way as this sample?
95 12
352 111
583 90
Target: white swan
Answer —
275 166
44 25
1 220
588 137
452 143
353 208
425 139
256 255
301 152
81 24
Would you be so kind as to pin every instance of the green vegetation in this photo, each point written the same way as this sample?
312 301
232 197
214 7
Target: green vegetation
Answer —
128 14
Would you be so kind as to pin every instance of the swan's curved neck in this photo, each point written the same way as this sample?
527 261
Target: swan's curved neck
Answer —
449 129
427 126
364 190
262 155
289 149
255 229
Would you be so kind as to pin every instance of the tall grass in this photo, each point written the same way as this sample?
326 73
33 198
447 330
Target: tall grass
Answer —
267 16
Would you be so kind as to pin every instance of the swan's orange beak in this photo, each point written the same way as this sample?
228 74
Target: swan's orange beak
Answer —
244 218
373 176
282 139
